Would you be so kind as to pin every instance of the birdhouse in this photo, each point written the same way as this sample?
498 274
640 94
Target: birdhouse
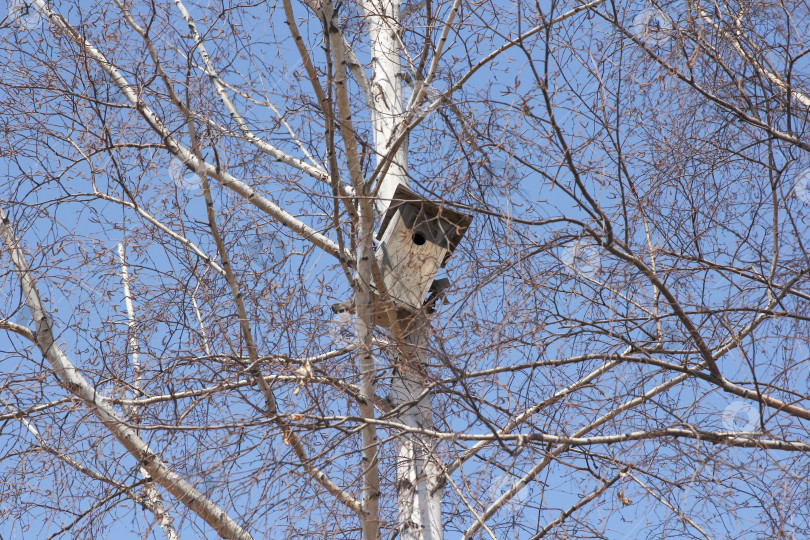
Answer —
416 238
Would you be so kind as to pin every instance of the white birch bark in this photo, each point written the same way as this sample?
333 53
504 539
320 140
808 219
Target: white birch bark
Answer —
419 474
382 19
133 414
150 503
72 380
739 40
174 145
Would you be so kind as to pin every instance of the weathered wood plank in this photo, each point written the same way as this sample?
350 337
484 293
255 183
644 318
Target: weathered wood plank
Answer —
408 261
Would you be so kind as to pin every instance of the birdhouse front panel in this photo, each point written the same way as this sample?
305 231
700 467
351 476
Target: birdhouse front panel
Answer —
409 256
427 225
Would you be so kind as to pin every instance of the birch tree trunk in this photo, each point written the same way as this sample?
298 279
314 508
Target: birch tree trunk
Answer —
419 494
163 518
383 22
99 406
419 480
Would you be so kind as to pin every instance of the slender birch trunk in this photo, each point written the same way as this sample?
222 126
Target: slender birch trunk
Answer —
382 19
419 480
419 490
132 413
363 299
72 380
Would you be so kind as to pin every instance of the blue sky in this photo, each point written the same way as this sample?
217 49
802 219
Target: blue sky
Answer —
513 176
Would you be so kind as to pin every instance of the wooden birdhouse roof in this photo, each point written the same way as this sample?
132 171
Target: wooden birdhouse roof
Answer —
418 212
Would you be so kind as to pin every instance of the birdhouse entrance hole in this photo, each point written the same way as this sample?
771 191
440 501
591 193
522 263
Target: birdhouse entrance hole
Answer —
419 238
